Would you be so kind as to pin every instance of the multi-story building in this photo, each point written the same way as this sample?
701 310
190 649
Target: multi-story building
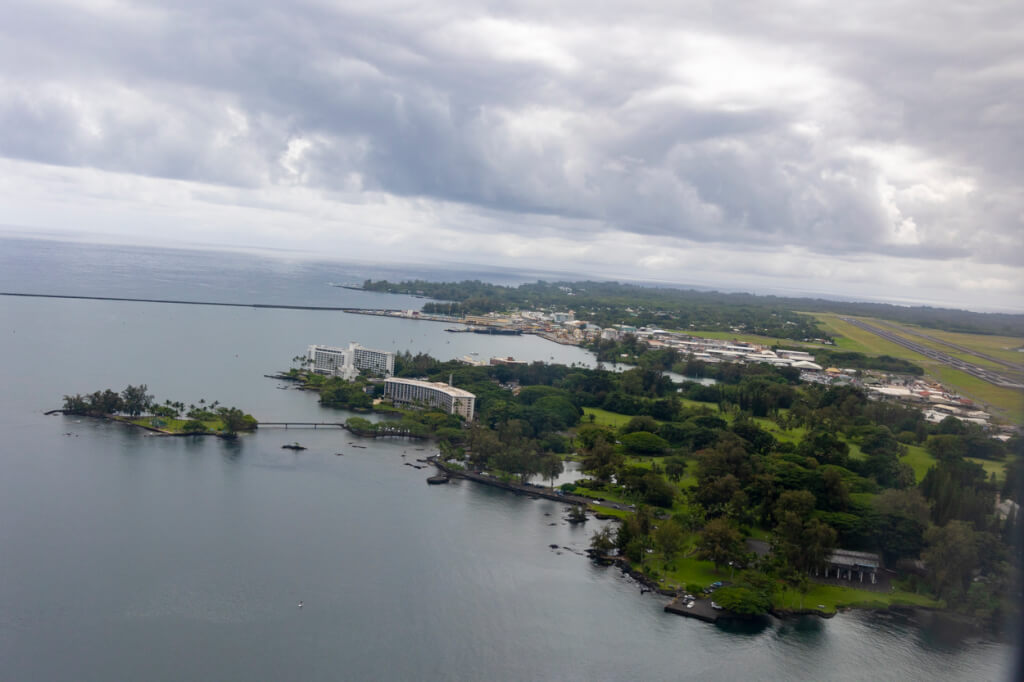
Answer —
326 359
347 362
379 361
432 393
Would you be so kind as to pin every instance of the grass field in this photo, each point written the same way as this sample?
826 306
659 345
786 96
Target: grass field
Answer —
990 467
1002 347
856 339
936 345
919 460
175 425
1007 401
604 417
829 598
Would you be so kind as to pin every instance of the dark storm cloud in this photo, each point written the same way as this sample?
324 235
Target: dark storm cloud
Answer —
889 128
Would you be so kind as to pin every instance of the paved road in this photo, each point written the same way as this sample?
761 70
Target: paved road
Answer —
974 370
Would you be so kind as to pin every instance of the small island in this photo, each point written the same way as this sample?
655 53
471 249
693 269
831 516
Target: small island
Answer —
135 406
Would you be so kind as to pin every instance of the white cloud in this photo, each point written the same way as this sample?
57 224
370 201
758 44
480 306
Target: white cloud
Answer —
767 144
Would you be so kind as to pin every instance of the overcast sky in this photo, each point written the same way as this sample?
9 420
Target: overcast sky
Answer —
868 149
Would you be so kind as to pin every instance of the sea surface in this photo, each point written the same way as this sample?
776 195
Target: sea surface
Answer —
130 557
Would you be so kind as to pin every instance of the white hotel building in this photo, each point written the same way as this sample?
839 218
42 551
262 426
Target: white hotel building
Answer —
435 394
347 362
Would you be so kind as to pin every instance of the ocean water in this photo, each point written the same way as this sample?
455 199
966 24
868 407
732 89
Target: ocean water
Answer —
124 556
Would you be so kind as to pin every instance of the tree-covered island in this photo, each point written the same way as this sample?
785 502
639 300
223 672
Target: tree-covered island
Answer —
752 482
135 405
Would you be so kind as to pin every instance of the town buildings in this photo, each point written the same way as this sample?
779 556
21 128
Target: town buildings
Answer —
431 393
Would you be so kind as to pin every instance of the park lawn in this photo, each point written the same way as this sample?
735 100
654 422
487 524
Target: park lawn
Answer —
686 402
833 597
689 479
620 514
683 571
605 418
175 425
990 467
610 495
919 460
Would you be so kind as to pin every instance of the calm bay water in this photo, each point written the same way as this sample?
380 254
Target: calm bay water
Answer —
124 556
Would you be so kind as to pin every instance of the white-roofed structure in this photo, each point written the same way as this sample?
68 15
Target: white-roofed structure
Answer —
431 393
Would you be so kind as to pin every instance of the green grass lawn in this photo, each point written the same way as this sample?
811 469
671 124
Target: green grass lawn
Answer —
919 460
990 467
832 597
606 511
1002 347
604 417
686 402
907 333
174 425
684 571
610 495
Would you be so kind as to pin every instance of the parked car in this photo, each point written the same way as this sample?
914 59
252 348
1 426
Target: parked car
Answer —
717 607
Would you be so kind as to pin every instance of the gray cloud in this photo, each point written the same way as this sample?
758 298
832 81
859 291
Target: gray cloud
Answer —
875 128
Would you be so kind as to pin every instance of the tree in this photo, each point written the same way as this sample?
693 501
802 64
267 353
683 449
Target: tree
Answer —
835 492
669 538
601 541
550 467
193 426
104 402
644 443
950 557
804 545
799 502
76 404
742 599
602 461
720 543
235 420
640 423
675 467
135 400
825 447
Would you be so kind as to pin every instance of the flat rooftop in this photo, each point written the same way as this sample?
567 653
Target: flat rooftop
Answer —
435 385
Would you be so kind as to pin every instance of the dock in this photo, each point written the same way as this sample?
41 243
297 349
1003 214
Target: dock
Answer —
701 610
